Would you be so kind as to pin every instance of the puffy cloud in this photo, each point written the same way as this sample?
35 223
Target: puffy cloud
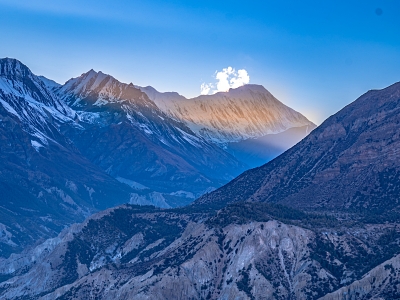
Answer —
206 88
226 79
242 78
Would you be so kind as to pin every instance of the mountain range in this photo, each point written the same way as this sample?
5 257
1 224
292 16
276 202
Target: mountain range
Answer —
248 122
70 150
320 221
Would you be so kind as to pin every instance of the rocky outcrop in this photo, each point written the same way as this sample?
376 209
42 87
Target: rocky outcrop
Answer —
254 260
245 251
382 282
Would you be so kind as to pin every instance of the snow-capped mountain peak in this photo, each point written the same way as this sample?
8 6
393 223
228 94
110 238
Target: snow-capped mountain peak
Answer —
249 111
12 67
87 81
99 89
50 84
27 96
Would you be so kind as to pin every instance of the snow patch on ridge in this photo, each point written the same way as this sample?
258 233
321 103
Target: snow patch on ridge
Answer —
133 184
36 145
9 108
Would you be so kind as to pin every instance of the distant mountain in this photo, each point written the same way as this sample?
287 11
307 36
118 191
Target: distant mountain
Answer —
257 151
246 112
45 183
241 121
349 164
127 135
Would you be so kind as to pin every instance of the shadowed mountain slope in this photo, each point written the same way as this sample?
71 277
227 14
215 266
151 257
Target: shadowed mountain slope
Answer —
348 164
45 183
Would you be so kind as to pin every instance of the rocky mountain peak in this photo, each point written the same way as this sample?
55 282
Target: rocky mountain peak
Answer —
248 87
27 94
246 112
87 82
13 67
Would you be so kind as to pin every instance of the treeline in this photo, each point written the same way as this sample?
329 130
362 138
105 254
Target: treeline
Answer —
244 212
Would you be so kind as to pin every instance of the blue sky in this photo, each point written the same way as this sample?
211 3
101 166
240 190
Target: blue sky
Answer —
315 56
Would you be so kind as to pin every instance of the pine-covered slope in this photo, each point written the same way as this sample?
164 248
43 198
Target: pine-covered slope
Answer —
350 163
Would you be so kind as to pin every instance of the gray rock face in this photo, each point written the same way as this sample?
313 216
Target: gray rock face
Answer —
382 282
242 252
349 164
200 261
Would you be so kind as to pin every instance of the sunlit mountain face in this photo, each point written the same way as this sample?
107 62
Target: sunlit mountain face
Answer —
248 122
133 140
249 111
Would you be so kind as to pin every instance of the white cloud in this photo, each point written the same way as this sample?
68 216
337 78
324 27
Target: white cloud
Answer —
226 79
206 88
241 79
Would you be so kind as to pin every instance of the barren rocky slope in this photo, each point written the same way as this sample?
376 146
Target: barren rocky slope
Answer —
245 251
382 282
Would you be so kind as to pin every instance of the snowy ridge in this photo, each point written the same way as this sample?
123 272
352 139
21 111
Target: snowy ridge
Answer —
158 140
50 84
246 112
27 97
96 89
121 129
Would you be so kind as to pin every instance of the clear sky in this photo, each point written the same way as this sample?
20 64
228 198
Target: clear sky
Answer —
315 56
